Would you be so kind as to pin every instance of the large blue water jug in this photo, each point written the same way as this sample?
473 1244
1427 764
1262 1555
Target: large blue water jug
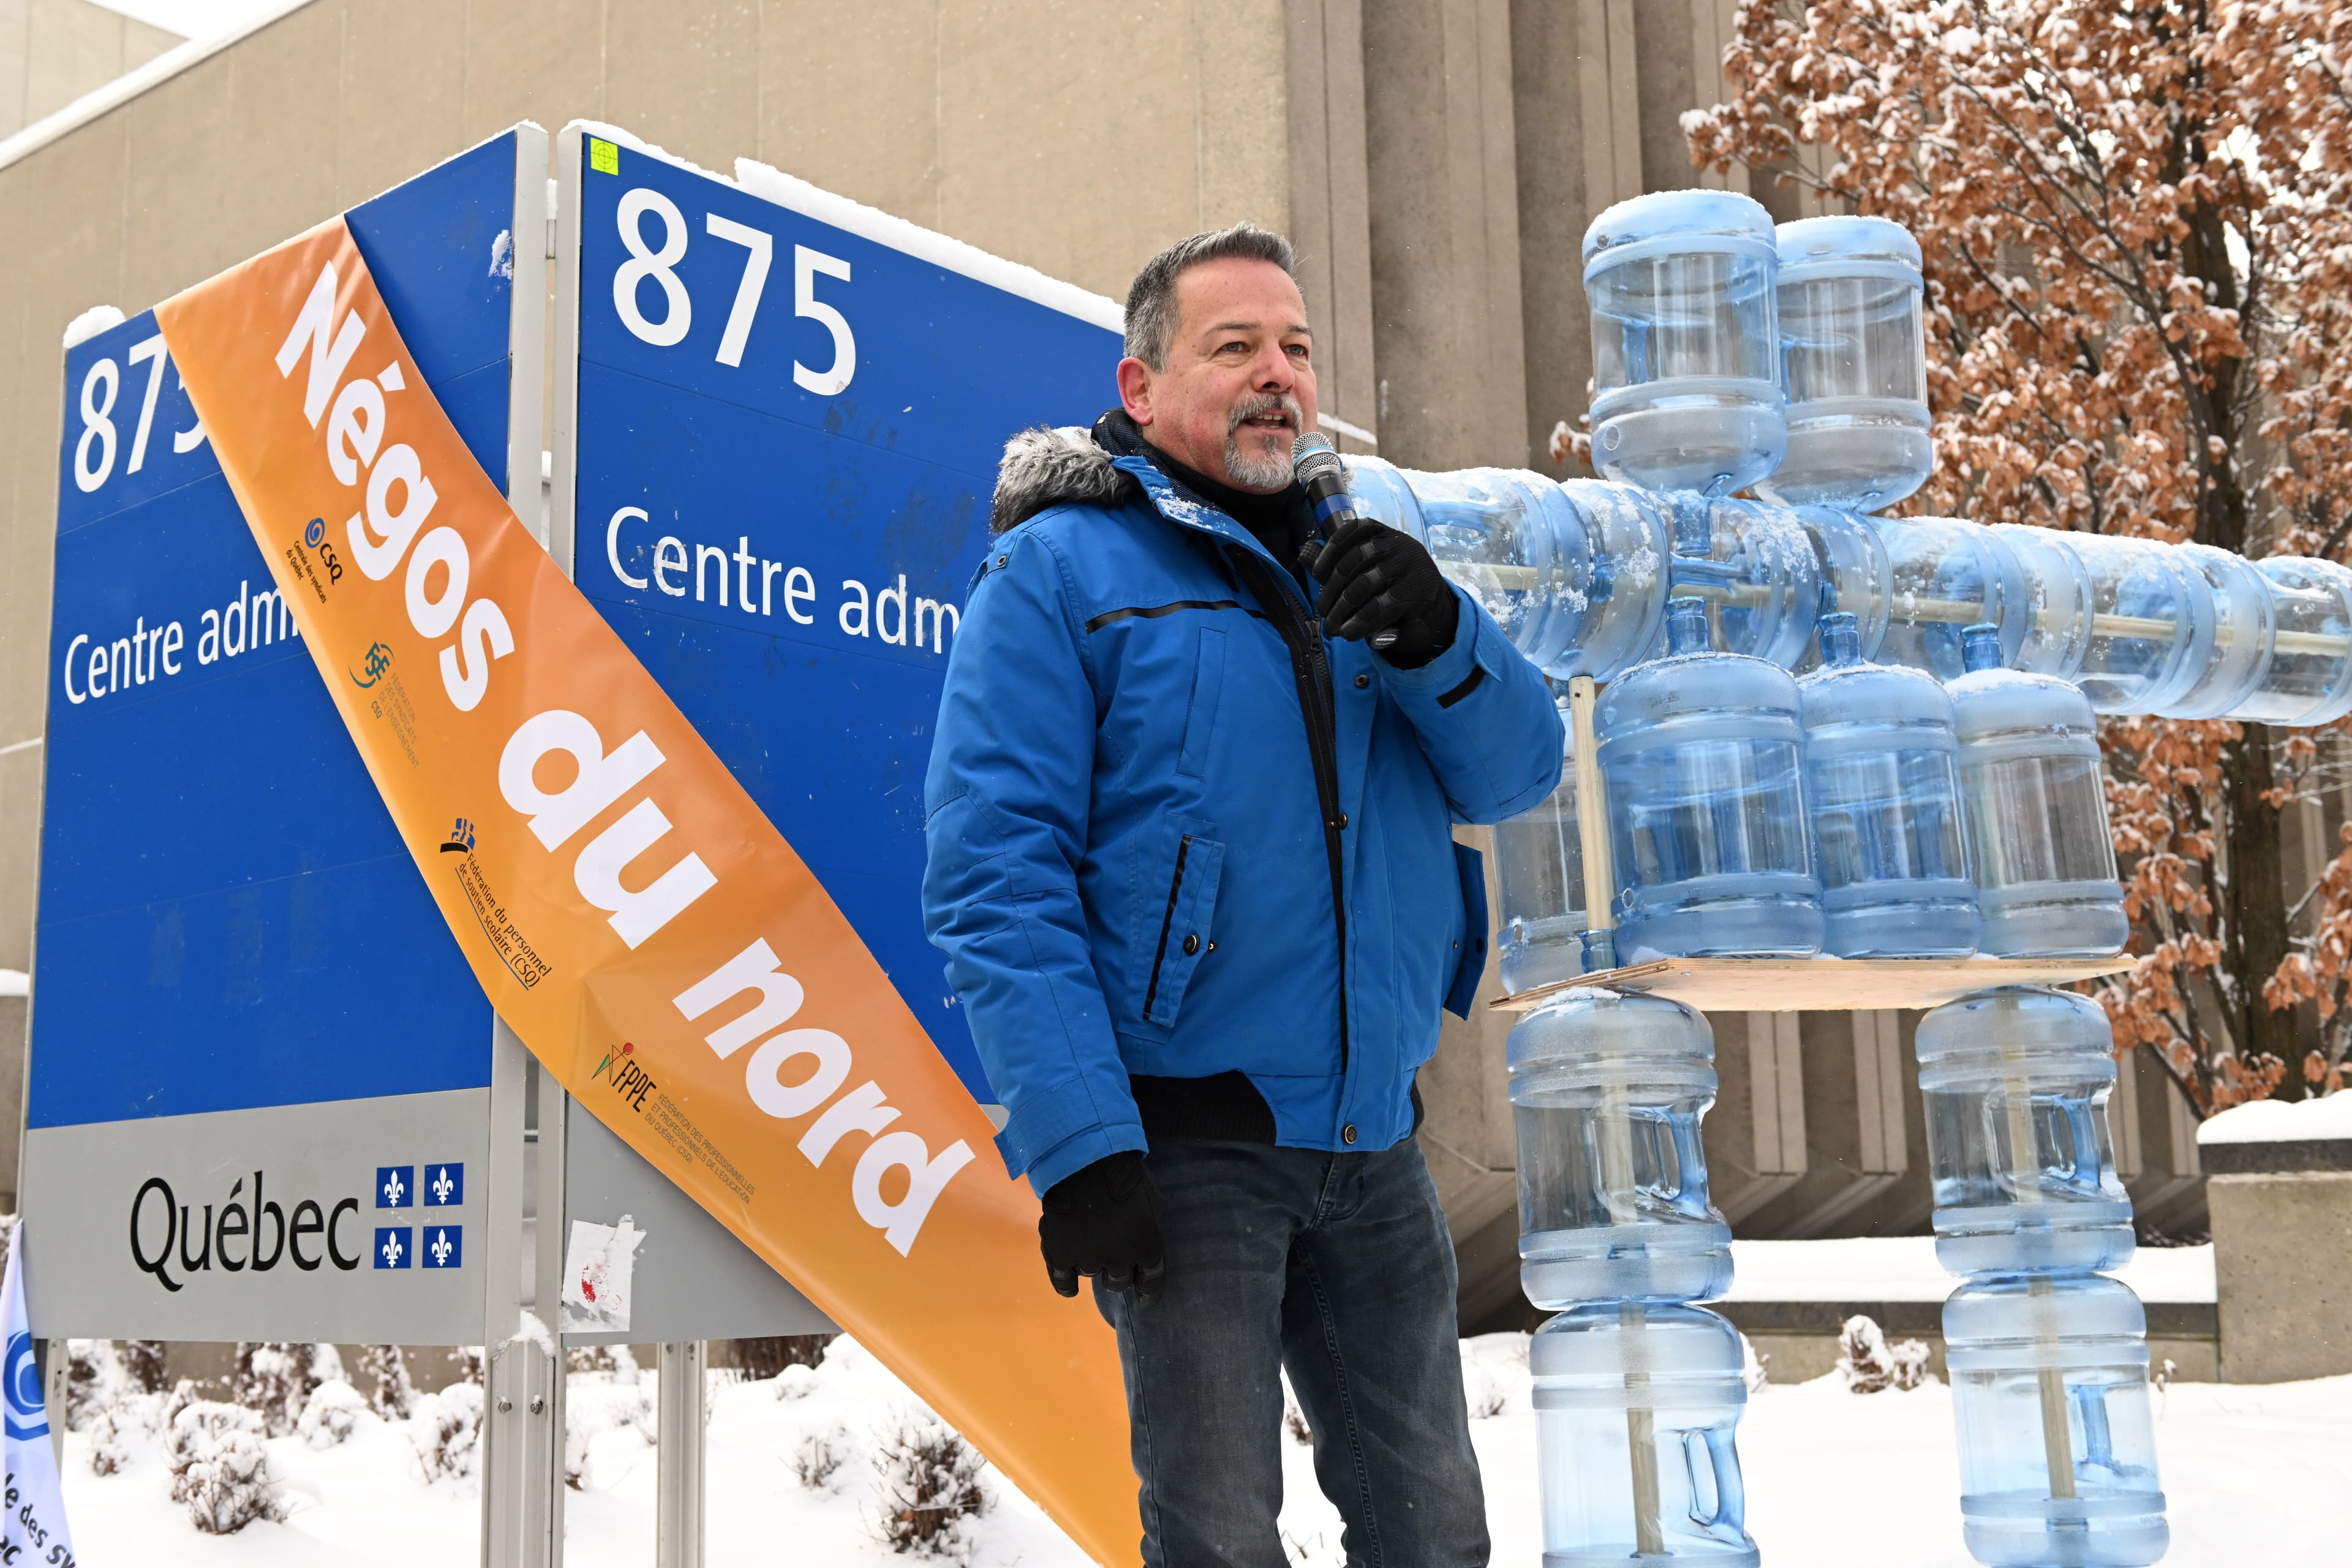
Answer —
1944 575
1539 874
1637 1417
2057 1450
2129 621
2037 811
1575 574
2015 1083
2308 679
1701 752
1755 567
1882 781
1607 1090
1685 341
2244 629
1853 363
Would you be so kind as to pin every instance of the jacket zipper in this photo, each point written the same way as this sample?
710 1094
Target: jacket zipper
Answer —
1311 668
1175 887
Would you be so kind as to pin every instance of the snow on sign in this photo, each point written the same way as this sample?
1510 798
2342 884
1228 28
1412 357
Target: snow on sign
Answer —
789 414
251 1031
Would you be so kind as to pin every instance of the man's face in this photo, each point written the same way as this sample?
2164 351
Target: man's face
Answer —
1239 384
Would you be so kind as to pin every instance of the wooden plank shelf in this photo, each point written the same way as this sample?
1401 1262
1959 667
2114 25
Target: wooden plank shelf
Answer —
1827 984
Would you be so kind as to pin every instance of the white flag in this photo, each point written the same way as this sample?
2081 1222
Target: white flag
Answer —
34 1529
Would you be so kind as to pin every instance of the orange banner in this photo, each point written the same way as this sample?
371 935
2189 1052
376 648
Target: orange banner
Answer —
630 911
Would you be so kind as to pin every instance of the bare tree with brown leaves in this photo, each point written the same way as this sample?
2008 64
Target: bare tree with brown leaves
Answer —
2136 217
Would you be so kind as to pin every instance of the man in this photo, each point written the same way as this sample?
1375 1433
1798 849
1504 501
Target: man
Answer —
1192 867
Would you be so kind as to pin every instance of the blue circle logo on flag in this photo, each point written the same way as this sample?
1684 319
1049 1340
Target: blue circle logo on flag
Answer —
22 1378
316 534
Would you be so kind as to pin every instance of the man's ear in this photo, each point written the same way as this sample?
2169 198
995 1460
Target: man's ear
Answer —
1135 389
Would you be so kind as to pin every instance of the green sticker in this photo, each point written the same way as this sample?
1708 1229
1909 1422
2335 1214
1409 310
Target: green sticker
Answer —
603 157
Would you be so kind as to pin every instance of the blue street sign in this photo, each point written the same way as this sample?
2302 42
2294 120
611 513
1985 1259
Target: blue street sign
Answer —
789 418
244 999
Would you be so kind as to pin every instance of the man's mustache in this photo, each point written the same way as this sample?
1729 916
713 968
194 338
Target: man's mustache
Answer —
1250 408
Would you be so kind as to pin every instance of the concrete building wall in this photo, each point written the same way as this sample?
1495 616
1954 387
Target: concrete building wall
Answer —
53 52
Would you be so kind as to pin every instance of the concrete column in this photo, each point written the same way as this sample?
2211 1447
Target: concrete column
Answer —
1330 205
1756 1133
2283 1258
1442 153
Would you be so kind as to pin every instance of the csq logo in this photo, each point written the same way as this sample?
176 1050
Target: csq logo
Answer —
314 537
22 1378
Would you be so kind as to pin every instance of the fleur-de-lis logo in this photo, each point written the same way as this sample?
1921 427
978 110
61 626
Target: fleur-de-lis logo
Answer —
443 1186
441 1248
391 1190
392 1250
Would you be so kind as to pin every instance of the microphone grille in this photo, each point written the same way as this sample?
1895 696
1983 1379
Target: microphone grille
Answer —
1312 455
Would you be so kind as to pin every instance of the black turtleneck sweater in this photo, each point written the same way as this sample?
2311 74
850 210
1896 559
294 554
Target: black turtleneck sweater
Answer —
1280 521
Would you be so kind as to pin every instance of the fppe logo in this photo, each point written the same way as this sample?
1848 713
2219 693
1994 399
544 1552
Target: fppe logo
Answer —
400 1187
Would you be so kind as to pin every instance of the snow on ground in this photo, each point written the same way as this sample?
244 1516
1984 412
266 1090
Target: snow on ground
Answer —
1834 1480
2280 1122
1903 1268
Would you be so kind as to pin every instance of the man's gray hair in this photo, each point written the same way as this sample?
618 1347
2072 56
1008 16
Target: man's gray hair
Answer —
1152 301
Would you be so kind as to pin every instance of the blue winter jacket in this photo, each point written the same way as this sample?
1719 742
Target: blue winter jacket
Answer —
1130 869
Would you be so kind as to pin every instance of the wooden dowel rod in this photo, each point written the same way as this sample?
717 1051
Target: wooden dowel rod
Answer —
1592 808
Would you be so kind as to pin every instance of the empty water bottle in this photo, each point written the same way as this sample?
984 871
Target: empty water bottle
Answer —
2245 628
1573 574
1882 781
1755 567
2015 1083
1943 575
2037 811
2057 1451
2129 621
1701 752
1539 868
1687 393
1637 1417
1853 363
1607 1090
1857 574
2308 679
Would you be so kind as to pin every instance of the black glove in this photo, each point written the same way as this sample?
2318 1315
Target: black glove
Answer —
1104 1220
1375 579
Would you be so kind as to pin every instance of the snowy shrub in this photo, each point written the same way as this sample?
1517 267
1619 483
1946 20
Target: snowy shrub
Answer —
796 1382
108 1452
330 1415
817 1459
384 1381
1868 1364
927 1494
448 1435
143 1362
1294 1417
575 1446
1753 1368
588 1360
273 1380
756 1361
94 1381
220 1465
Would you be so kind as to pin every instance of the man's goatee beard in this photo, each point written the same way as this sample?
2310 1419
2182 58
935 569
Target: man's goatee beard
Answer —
1273 471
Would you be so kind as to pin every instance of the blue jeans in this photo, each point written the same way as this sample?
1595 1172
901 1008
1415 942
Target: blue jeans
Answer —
1339 1268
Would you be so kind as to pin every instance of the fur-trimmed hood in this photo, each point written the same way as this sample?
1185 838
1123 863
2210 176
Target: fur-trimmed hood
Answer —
1043 466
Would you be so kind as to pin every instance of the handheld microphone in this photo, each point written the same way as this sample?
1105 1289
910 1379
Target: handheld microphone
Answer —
1325 478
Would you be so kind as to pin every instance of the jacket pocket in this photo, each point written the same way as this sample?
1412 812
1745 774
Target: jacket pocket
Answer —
1184 937
1200 717
1471 867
